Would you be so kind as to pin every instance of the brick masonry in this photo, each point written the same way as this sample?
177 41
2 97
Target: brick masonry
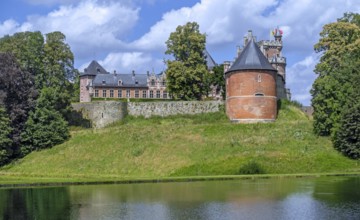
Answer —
104 113
251 96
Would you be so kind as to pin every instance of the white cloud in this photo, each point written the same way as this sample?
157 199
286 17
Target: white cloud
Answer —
300 77
128 61
91 27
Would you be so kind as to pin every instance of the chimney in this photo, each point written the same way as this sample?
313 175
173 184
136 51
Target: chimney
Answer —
226 66
148 73
133 72
115 72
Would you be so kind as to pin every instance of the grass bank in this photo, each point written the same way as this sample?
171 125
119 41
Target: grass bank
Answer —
202 145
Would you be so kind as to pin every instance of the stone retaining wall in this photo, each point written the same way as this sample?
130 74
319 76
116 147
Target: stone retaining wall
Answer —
100 114
148 109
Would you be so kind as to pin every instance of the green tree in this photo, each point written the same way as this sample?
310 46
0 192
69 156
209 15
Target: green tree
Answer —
340 48
347 136
17 95
5 134
28 48
45 127
187 74
218 80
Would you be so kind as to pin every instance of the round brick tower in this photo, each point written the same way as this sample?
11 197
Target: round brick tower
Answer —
251 87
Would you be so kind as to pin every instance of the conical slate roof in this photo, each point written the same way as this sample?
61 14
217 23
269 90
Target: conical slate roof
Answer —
94 68
251 58
209 60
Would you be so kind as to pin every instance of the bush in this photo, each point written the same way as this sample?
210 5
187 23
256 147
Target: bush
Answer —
251 167
347 136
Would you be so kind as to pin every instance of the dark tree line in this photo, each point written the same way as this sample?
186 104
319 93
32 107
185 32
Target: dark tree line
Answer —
37 78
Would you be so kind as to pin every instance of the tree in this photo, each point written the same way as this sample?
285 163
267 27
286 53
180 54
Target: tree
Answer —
347 137
218 80
28 49
187 74
17 95
49 61
45 127
5 141
340 48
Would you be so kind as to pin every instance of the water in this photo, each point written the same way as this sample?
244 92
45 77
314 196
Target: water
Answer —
287 198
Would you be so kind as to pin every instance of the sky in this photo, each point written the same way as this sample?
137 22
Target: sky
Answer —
126 35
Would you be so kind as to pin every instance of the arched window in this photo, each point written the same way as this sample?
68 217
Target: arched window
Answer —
259 94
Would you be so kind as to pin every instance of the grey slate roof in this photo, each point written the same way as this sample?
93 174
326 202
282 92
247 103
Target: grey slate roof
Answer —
251 58
128 80
209 60
94 68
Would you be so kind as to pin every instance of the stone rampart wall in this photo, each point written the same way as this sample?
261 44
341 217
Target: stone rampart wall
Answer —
100 114
148 109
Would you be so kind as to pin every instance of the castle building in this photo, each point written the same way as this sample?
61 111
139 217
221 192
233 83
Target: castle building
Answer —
253 83
96 82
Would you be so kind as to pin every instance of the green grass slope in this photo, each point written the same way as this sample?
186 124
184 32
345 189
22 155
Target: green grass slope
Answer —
205 144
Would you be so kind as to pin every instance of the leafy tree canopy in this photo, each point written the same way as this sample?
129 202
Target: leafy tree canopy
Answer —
187 74
5 134
340 47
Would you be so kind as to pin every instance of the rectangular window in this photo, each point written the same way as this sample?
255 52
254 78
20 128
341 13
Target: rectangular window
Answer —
165 95
111 93
128 93
151 94
164 83
144 94
136 93
158 94
96 93
119 93
104 93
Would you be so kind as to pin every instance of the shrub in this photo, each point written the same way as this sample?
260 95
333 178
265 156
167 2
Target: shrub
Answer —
347 136
251 167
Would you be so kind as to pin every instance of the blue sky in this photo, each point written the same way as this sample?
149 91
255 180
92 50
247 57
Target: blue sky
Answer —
127 35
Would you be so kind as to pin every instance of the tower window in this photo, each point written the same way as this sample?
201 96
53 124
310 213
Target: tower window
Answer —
259 78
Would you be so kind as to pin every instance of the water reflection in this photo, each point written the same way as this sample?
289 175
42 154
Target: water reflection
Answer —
288 198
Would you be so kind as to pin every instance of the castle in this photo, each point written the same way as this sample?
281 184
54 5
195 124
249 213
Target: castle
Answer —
254 81
96 82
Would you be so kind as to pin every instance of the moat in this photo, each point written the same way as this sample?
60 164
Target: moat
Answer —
275 198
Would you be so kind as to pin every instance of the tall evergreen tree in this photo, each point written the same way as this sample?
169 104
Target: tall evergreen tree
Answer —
187 74
45 127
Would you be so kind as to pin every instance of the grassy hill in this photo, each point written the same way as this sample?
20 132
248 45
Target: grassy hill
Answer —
205 144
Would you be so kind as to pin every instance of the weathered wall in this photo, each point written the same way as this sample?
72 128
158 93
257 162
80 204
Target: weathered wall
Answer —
148 109
251 96
101 114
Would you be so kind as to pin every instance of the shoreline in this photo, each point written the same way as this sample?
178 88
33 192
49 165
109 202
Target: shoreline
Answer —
51 181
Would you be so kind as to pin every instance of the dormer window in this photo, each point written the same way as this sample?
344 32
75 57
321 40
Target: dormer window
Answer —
103 82
153 82
136 82
98 70
120 83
